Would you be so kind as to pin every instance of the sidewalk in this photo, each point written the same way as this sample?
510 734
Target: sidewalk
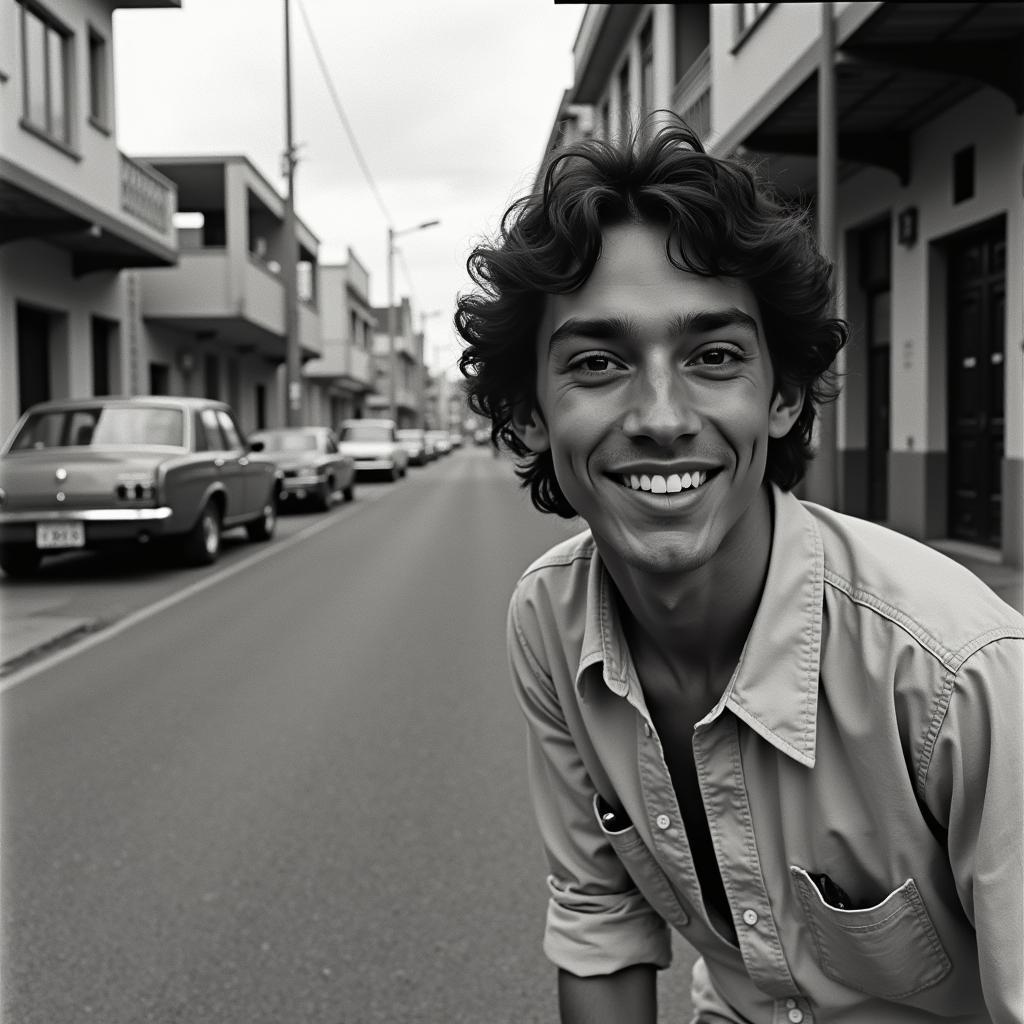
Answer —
36 625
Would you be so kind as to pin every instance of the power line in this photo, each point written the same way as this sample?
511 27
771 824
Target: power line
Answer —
341 111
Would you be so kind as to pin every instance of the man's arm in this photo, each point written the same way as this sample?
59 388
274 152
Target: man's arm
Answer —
627 995
973 787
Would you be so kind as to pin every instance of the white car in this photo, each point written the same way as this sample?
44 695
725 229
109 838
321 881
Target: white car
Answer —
374 447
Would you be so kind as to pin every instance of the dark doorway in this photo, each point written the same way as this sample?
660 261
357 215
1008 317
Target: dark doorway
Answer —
876 281
33 327
159 379
977 342
102 355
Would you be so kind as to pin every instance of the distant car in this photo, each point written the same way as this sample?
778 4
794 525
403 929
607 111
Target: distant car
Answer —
94 472
373 444
455 440
440 440
312 467
414 441
482 435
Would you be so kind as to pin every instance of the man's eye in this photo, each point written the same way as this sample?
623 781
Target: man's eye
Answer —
595 363
717 357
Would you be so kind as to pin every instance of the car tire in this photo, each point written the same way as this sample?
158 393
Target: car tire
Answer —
394 473
201 545
263 528
20 560
349 493
324 497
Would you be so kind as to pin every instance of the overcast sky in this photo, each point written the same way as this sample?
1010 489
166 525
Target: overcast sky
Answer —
451 103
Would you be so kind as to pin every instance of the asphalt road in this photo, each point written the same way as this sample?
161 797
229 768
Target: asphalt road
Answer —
295 794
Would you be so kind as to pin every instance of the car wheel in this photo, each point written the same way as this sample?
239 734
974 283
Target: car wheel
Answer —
201 545
395 473
263 528
19 560
325 496
349 493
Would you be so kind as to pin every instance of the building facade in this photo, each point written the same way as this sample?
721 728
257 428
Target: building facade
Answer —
74 210
406 366
346 367
214 325
928 433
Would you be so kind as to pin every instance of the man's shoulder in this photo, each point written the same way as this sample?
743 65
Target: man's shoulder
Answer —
558 578
573 553
928 593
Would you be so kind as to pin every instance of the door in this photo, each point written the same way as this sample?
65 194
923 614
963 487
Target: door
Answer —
879 388
977 328
33 326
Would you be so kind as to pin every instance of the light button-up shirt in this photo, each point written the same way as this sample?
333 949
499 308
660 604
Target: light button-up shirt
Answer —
871 732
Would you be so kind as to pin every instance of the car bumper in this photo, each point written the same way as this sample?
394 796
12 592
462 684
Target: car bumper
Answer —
375 465
300 486
102 526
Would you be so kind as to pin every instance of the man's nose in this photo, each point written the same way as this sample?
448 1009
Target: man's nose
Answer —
662 407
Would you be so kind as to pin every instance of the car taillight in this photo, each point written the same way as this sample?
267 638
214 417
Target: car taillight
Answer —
136 490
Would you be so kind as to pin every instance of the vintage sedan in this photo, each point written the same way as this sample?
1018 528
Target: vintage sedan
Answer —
414 441
312 467
373 443
96 472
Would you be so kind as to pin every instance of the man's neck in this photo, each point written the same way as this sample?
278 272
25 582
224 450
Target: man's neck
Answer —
696 623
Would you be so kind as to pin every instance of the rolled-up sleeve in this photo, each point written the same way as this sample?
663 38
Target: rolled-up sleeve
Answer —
597 921
974 786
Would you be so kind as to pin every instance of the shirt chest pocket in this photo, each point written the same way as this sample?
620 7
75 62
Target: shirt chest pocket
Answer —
645 871
890 950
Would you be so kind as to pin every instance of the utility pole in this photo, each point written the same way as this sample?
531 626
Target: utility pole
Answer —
392 327
289 263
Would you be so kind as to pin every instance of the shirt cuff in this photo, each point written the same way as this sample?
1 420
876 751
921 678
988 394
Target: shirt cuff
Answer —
601 934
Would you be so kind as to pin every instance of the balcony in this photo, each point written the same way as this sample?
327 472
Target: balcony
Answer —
691 98
146 195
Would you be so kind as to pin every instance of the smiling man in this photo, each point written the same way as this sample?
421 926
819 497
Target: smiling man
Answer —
793 736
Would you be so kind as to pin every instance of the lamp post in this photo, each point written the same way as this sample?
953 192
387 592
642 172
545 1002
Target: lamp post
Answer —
289 261
424 369
392 382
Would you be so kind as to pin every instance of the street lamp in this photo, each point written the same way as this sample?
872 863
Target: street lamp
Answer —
392 235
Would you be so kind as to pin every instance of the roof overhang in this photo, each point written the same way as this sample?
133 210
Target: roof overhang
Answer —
599 47
898 65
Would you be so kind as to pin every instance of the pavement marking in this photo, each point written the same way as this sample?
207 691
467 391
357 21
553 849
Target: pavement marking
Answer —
105 633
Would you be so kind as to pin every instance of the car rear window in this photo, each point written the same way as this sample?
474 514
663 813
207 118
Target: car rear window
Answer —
282 442
365 432
106 425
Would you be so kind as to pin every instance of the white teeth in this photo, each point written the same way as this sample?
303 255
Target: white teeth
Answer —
672 484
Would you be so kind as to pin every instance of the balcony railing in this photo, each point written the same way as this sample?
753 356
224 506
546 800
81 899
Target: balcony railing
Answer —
691 98
147 195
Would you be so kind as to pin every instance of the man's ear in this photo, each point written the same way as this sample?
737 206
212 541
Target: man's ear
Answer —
529 426
787 403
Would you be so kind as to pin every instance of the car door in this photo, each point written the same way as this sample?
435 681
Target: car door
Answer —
253 473
226 453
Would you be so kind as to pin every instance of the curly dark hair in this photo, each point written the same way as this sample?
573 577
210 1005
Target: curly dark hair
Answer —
722 222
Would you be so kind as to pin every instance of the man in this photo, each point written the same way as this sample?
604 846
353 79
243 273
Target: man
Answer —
792 735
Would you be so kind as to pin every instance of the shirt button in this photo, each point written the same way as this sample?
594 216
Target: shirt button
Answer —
750 917
795 1015
662 821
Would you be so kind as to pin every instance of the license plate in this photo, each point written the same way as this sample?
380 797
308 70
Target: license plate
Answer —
60 535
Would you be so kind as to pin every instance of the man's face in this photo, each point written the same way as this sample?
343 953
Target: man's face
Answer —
655 396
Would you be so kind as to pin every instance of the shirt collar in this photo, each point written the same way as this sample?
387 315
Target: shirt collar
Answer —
774 689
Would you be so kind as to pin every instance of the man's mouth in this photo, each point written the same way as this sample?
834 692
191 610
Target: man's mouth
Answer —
674 483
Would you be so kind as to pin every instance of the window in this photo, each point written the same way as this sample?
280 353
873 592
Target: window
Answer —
211 376
963 174
214 437
625 101
231 432
99 95
646 70
159 379
46 46
748 14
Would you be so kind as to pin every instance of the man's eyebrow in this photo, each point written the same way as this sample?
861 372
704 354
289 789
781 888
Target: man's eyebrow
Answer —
597 328
706 320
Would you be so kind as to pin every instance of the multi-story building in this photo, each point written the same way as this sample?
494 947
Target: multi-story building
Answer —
929 430
74 210
407 367
346 367
215 324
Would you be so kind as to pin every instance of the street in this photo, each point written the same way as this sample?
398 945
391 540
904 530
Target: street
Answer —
298 793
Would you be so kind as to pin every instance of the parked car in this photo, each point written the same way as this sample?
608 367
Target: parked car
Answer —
373 444
414 441
482 435
455 440
312 467
441 442
93 472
